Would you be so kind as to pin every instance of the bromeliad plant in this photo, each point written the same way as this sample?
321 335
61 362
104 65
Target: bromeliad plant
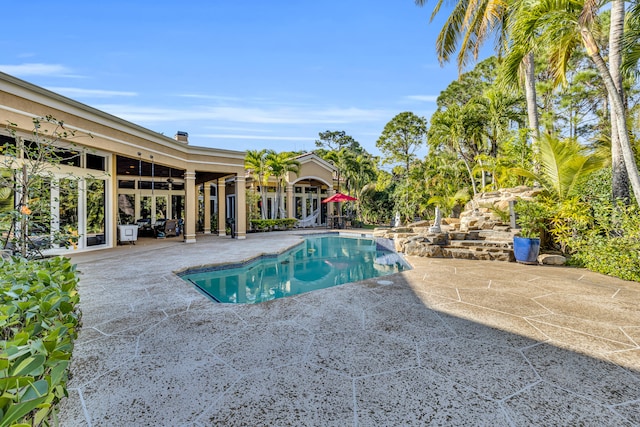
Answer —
39 321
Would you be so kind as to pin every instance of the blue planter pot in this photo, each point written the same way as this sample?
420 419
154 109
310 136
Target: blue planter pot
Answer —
526 249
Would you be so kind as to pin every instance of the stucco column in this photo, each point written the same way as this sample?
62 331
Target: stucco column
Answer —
190 214
241 208
207 207
112 188
290 201
222 207
319 196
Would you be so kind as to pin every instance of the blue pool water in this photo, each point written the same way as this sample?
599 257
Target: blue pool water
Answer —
318 262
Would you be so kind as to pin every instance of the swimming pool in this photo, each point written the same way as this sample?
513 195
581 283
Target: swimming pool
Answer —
316 263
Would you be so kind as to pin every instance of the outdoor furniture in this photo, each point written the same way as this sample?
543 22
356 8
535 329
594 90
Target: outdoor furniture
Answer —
166 228
310 220
336 222
127 233
144 227
171 227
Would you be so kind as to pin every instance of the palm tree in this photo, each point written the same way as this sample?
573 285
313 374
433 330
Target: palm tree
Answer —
630 38
278 165
458 129
562 26
619 178
358 171
470 24
255 162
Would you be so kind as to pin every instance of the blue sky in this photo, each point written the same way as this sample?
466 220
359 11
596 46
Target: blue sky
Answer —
236 75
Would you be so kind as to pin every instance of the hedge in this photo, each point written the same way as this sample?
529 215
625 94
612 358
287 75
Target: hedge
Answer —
39 321
273 224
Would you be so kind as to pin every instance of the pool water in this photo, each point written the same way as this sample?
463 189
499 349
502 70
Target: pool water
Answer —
318 262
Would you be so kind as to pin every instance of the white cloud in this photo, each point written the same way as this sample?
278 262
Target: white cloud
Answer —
35 69
289 115
93 93
423 98
213 97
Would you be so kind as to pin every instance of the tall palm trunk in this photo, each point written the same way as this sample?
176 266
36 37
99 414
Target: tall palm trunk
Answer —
620 177
531 97
617 105
532 106
263 197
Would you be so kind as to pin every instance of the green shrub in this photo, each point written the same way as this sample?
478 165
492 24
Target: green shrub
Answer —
273 224
39 322
612 246
533 216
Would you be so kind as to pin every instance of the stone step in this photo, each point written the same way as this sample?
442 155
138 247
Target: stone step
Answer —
491 235
478 253
502 244
496 235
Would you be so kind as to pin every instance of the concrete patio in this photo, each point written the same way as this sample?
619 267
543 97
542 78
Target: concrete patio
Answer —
449 343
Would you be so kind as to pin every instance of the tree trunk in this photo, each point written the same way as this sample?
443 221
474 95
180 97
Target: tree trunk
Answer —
618 105
473 182
530 92
24 199
620 177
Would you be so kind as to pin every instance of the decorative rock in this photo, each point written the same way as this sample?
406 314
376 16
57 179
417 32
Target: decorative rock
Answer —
458 236
423 250
479 233
551 259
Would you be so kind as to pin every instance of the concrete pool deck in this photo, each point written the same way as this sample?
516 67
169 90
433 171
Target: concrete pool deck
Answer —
451 342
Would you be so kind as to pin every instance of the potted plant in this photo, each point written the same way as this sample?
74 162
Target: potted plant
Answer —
530 218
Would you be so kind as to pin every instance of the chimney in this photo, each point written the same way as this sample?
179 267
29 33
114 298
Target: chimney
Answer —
182 136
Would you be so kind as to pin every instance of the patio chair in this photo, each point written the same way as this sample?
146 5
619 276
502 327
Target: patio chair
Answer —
170 227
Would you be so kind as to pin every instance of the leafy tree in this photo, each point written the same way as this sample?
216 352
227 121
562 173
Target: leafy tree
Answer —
400 139
376 201
338 148
445 181
336 141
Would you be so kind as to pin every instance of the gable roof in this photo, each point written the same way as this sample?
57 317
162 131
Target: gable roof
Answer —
312 157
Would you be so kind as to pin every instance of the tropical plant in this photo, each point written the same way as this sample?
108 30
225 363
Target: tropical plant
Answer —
448 131
561 27
468 26
255 162
532 218
337 147
253 211
39 320
558 212
612 244
278 166
564 165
